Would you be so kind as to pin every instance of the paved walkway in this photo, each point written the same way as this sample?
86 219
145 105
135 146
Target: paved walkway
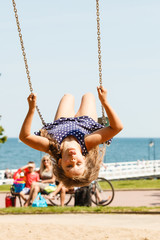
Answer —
149 198
137 198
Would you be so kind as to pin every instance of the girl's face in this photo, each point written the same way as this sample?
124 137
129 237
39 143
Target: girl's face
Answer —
72 162
46 161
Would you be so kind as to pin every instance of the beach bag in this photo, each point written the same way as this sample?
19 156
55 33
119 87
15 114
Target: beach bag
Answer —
83 196
18 185
39 201
10 201
50 188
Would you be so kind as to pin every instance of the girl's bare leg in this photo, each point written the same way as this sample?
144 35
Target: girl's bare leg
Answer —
30 194
36 190
66 107
29 198
23 196
63 195
88 106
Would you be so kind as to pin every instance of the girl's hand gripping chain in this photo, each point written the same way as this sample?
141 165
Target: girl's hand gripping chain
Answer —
32 100
102 94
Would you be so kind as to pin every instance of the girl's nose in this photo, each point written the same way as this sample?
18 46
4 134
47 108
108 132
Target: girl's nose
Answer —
73 160
72 152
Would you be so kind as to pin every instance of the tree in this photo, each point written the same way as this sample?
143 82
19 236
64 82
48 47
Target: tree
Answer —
3 139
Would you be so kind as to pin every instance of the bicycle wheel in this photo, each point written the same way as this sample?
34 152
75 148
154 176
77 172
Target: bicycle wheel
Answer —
56 201
102 192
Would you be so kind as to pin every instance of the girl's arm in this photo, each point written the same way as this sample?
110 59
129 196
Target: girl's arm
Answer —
106 133
36 142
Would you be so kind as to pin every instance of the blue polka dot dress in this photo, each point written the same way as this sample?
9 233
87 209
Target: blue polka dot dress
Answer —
76 126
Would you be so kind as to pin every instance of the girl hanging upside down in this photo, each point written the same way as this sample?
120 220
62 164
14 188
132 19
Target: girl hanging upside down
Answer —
72 139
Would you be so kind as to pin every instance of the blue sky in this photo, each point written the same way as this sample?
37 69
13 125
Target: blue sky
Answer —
61 46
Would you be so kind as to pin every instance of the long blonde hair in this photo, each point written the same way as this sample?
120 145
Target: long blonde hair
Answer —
93 163
42 166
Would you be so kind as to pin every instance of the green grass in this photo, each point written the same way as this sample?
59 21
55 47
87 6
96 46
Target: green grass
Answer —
119 185
134 184
5 188
60 210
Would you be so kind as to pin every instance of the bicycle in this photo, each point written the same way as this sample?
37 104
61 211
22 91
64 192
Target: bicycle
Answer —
101 190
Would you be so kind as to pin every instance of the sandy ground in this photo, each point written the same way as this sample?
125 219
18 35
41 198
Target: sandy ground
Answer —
80 227
87 226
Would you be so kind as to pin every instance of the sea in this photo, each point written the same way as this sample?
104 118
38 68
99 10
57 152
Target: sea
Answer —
15 154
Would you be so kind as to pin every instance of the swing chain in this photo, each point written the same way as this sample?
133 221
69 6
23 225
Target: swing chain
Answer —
26 64
99 55
25 58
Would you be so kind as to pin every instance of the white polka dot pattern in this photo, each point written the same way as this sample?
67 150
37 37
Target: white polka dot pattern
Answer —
77 127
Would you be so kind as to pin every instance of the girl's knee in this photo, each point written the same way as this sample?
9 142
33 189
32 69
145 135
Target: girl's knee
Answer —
33 184
88 95
36 188
68 96
21 194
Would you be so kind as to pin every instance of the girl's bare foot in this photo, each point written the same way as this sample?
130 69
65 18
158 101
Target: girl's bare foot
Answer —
51 196
26 204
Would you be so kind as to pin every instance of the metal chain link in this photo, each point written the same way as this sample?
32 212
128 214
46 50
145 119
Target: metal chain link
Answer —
26 64
99 55
100 67
25 58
